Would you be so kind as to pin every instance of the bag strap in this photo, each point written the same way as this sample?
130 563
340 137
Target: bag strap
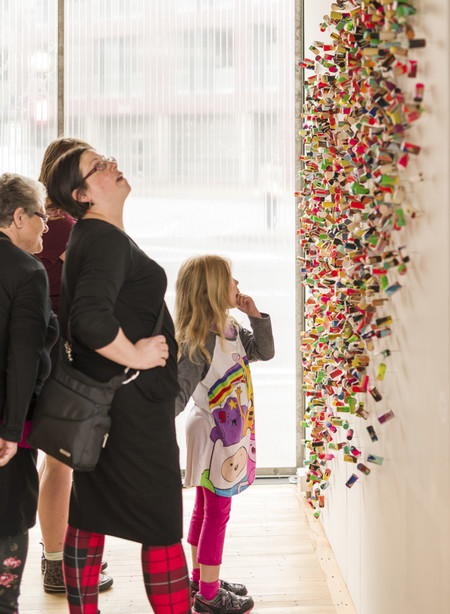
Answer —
156 331
159 321
63 311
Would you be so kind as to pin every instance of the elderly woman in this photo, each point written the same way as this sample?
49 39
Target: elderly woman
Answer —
28 330
115 294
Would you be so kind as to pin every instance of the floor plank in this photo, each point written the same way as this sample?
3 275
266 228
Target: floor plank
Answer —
272 545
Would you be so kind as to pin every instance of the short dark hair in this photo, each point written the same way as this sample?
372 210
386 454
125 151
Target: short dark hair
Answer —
65 177
18 191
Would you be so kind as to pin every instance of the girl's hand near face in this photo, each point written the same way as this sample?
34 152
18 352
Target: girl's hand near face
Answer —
247 305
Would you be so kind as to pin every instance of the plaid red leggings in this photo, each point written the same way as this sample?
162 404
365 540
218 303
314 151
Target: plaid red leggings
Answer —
164 568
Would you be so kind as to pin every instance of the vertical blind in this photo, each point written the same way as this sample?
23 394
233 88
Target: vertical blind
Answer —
195 99
28 83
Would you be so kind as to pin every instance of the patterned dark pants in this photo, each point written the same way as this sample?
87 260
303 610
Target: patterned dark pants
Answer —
13 554
164 568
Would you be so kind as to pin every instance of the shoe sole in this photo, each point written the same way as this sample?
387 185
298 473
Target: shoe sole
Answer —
198 611
54 589
48 588
105 586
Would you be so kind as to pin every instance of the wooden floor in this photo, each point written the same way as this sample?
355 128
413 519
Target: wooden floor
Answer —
273 546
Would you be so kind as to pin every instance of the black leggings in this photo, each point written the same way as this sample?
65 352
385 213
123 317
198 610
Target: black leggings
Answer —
13 554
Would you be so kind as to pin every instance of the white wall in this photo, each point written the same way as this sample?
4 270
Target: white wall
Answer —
391 532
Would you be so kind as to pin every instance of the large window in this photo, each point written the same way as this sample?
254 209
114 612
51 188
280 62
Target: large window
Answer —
28 79
196 101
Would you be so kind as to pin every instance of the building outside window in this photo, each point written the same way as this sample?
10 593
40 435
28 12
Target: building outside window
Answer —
196 101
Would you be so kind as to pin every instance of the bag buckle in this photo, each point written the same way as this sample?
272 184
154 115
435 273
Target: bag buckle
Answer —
131 378
68 349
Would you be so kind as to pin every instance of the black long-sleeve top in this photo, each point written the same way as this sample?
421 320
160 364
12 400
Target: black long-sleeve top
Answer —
109 283
28 330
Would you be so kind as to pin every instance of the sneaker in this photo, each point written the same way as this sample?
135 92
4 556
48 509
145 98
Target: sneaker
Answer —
102 568
224 602
237 589
54 579
104 582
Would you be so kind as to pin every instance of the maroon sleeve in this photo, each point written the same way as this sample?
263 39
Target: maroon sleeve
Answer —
55 240
60 225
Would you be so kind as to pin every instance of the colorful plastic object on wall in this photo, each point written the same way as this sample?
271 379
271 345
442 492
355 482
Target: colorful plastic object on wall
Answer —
356 117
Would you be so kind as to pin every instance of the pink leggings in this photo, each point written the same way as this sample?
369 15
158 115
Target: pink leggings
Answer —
208 524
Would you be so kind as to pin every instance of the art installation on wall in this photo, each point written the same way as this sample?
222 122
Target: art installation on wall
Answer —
359 106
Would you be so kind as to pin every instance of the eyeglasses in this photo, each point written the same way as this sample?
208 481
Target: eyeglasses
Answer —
43 217
100 166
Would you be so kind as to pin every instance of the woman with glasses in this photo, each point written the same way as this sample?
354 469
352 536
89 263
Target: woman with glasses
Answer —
115 294
28 330
55 478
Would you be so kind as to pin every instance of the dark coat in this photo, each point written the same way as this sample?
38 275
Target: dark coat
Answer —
28 330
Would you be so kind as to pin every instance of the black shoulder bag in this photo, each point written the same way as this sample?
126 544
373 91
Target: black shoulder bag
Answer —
71 420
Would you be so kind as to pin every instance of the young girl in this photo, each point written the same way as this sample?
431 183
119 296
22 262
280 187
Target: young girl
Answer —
213 368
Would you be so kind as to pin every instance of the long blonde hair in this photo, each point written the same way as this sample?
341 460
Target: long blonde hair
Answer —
202 302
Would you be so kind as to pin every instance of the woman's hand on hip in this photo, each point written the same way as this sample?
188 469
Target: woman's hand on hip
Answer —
146 353
152 352
7 451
